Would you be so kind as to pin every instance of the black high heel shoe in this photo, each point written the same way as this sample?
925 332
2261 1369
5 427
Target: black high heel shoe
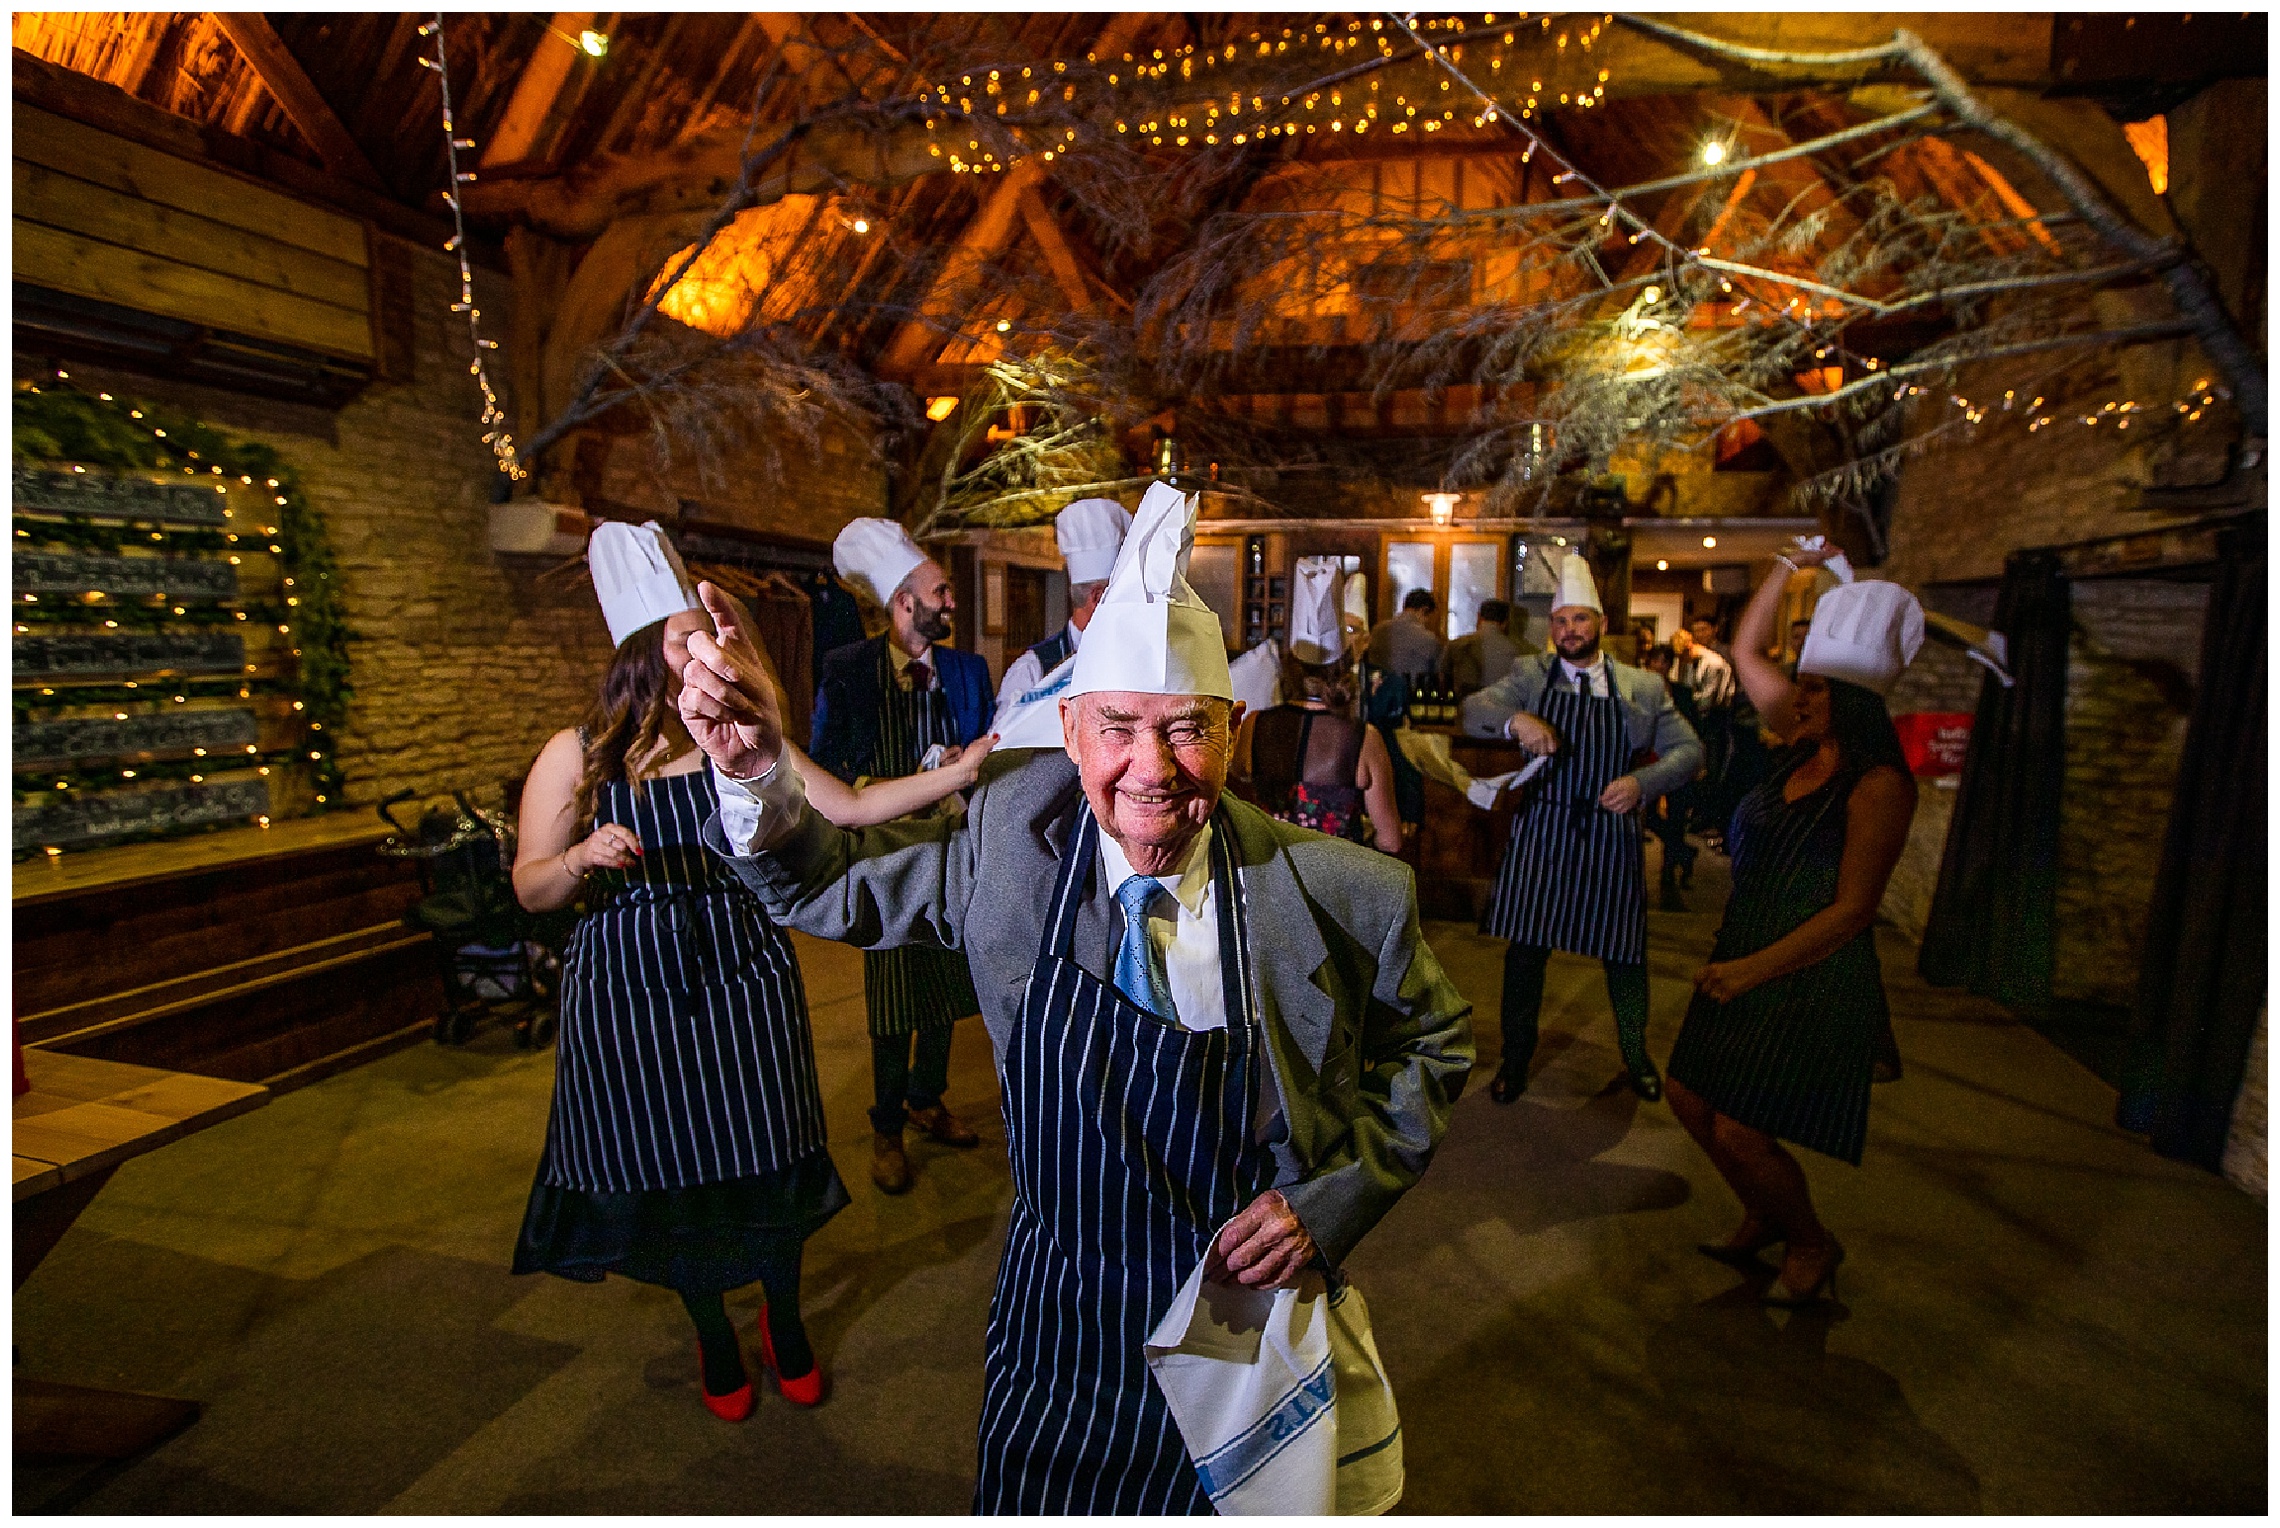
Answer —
1647 1082
1824 1288
1743 1255
1504 1088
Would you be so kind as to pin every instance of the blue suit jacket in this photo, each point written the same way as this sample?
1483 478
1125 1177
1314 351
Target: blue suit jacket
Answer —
845 734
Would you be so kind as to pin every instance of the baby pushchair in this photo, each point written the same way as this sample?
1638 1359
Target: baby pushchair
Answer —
496 959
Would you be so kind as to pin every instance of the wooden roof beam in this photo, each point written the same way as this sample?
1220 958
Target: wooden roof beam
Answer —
515 137
282 75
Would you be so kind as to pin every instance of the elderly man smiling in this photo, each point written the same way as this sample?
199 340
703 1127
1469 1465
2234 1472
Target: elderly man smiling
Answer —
1205 1020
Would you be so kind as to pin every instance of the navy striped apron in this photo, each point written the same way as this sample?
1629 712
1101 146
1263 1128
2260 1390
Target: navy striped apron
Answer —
912 987
685 1055
1575 876
1131 1142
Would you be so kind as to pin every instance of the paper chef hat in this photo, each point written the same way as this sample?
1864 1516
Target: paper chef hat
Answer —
637 576
876 555
1152 635
1864 633
1317 619
1089 532
1358 600
1256 678
1577 587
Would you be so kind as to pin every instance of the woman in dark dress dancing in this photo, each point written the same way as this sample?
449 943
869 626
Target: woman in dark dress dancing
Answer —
1780 1039
685 1147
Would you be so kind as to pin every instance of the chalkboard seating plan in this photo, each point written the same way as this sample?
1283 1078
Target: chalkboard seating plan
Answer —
156 682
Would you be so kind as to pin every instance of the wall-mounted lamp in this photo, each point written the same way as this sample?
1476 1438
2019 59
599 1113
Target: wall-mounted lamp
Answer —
1710 542
1443 505
1662 565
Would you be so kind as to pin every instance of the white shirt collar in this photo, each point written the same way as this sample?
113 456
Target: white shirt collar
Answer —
1189 884
1076 636
1592 673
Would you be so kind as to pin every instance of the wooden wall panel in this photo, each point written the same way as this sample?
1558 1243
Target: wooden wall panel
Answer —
98 216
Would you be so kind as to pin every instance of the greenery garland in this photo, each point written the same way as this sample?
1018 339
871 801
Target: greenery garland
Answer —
57 422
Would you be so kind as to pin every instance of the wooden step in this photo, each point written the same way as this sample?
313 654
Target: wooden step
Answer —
220 984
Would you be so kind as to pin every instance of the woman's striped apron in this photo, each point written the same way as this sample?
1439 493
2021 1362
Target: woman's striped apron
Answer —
912 988
1575 877
1132 1143
685 1056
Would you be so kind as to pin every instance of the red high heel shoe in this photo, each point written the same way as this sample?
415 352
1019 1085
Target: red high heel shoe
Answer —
732 1407
807 1390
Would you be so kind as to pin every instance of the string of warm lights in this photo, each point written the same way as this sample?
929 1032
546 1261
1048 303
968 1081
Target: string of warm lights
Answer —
502 443
988 95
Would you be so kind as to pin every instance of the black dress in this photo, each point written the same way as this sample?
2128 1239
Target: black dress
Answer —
1792 1057
686 1143
1303 763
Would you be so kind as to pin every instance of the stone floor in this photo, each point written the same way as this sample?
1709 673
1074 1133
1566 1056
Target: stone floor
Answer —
2038 1314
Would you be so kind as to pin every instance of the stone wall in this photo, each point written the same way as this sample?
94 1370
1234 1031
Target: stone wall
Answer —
2130 676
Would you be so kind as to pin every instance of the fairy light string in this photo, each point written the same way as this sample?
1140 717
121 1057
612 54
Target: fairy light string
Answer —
496 435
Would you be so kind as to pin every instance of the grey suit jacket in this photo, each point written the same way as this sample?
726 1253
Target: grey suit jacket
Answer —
1648 714
1370 1044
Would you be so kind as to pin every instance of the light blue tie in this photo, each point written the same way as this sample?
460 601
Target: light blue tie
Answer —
1139 964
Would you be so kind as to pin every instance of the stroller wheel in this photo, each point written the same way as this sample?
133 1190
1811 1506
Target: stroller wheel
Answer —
456 1027
542 1030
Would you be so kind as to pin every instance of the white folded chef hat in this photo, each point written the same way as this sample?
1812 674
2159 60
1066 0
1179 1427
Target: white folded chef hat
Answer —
1317 614
1089 532
1864 633
1256 678
1577 586
1152 634
638 576
1358 599
876 555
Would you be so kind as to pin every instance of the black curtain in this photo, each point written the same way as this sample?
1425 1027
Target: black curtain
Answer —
1995 909
2203 981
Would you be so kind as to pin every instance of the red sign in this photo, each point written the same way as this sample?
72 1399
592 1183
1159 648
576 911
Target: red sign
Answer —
1934 741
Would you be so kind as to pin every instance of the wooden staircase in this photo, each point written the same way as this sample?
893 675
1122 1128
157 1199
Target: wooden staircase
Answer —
262 955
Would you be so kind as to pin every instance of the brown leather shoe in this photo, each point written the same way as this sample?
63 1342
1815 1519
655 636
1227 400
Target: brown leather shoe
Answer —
941 1125
890 1169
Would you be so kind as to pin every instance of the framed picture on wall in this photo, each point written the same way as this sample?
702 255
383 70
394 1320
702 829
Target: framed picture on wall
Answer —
993 599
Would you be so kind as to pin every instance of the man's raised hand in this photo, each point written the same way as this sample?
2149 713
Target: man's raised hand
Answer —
727 700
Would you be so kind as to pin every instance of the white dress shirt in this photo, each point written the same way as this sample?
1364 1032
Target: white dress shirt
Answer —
756 814
1185 928
1023 673
1595 676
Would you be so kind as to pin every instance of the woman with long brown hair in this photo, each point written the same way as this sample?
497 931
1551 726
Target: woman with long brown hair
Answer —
1780 1041
1311 761
686 1146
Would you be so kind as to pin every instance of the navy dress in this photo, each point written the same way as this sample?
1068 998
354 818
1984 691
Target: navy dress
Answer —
1793 1057
686 1143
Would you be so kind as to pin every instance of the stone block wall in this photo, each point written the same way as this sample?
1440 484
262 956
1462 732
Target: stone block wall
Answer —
463 665
2130 677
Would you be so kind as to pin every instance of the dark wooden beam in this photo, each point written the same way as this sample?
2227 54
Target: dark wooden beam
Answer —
282 75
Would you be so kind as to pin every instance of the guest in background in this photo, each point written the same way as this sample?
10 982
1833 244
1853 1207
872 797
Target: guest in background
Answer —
1798 629
1666 819
1705 634
1709 679
1779 1042
1088 533
881 706
686 1143
1574 876
1483 656
1407 644
1311 761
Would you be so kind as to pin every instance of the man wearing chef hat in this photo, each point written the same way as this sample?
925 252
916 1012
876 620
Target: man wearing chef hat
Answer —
1088 532
881 705
1574 876
1222 1040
